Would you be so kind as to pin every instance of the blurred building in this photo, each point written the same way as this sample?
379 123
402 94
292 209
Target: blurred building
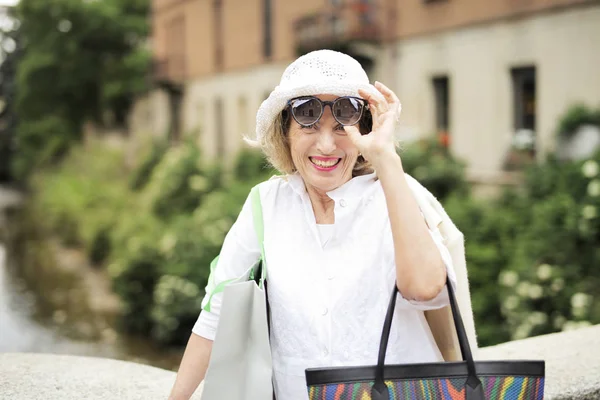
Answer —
480 75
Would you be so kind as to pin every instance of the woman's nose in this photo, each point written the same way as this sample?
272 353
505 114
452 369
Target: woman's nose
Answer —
326 140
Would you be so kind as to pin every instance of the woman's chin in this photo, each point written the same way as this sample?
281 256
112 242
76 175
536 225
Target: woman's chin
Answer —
326 181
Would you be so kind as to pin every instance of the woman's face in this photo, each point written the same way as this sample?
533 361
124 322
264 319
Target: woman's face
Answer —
323 153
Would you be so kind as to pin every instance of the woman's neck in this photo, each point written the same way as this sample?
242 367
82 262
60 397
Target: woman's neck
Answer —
323 205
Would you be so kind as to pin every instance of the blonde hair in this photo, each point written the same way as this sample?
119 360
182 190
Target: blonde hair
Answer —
275 145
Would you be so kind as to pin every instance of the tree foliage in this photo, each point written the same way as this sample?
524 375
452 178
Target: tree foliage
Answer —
81 60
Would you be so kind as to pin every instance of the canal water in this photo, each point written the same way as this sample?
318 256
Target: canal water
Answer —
52 301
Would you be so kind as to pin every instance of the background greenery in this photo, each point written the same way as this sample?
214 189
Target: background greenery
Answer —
156 227
78 61
531 251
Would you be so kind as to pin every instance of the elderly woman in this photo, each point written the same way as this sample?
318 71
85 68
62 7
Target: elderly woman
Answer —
341 228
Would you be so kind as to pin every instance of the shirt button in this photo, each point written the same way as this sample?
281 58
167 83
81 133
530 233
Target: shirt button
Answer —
324 311
331 277
343 203
325 353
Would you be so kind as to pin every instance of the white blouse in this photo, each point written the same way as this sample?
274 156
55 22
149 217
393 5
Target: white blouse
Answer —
328 290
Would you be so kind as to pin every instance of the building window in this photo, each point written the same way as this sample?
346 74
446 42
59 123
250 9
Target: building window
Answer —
524 106
219 128
441 88
218 32
175 37
267 29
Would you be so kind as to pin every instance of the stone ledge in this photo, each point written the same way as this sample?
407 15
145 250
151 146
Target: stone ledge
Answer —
572 361
29 376
572 371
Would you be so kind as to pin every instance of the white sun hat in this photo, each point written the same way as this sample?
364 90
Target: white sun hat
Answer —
318 72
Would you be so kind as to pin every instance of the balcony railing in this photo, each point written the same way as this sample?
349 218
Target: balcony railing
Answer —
339 26
170 70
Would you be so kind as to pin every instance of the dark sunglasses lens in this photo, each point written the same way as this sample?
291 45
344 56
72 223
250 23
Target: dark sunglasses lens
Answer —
348 110
306 111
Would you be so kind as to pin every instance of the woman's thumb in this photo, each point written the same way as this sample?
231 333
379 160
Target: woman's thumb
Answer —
353 133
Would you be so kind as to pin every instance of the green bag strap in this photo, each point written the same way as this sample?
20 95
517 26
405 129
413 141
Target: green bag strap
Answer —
259 229
257 215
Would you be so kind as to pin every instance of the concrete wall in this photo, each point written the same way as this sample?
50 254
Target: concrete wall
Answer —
150 115
563 46
186 30
418 17
572 371
241 94
562 43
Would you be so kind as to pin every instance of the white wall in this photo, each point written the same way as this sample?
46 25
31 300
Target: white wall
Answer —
150 114
564 46
201 95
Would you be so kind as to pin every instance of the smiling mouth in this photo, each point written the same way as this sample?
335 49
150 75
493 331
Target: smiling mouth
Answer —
329 163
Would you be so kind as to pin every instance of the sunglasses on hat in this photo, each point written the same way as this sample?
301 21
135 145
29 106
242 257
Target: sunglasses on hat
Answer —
308 110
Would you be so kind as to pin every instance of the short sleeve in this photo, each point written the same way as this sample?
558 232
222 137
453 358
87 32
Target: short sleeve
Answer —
442 299
239 253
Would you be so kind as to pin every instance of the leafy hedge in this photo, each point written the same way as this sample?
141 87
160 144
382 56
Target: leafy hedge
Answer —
576 116
532 252
157 227
552 281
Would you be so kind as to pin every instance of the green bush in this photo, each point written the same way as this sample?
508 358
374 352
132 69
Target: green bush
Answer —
552 282
183 215
179 182
141 174
435 168
177 303
39 142
188 246
134 278
487 245
576 116
82 199
100 246
251 163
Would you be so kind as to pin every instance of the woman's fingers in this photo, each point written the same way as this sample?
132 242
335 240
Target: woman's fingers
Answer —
353 133
390 97
377 102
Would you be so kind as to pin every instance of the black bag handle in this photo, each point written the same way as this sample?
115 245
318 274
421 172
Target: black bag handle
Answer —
473 387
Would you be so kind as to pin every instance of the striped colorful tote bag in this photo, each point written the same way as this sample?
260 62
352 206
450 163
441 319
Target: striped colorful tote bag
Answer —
463 380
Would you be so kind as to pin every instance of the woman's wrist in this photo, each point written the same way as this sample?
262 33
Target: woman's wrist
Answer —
387 161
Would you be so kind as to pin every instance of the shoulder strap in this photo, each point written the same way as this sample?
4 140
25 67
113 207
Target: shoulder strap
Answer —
257 214
262 263
440 320
213 287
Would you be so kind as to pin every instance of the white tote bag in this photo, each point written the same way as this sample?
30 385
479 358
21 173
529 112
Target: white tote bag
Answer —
240 366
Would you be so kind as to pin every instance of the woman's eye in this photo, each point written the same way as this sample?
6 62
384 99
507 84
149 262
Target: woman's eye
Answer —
340 129
310 127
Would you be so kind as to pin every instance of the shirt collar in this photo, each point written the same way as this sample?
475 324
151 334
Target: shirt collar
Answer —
354 188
